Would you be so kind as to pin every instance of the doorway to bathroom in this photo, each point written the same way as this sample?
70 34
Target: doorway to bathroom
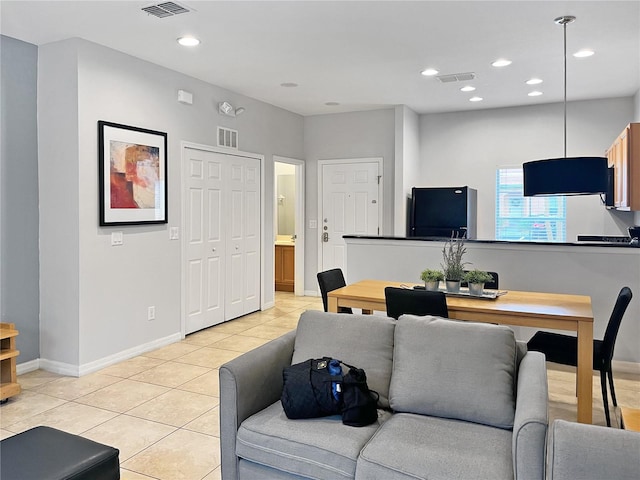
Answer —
289 224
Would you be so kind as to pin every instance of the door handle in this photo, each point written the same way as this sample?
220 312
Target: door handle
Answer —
325 237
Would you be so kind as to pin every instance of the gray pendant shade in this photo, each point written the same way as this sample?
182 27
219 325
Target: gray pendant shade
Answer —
565 176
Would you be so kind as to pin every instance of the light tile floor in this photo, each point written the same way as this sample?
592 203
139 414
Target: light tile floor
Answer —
161 410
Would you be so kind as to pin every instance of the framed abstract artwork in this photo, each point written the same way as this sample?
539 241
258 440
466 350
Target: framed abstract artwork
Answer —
133 175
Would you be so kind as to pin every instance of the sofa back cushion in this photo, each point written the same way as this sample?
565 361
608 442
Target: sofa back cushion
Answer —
454 369
364 341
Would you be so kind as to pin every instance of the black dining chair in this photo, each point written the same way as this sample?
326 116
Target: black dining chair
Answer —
492 285
563 349
402 301
329 281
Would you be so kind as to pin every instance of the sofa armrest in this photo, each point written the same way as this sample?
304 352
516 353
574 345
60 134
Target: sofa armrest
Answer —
248 384
590 452
531 418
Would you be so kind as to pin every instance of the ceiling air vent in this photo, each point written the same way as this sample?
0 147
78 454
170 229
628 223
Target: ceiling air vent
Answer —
227 138
165 9
456 77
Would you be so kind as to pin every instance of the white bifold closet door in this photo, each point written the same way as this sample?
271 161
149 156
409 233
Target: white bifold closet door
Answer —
223 237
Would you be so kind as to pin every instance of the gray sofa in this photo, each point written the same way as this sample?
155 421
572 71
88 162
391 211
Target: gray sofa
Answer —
458 400
590 452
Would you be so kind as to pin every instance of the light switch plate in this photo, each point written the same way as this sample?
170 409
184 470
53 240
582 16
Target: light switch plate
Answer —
174 233
116 239
313 224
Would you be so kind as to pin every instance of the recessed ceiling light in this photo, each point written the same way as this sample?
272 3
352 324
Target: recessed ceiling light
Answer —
289 84
583 53
467 88
476 99
501 62
331 104
429 72
535 93
533 81
188 41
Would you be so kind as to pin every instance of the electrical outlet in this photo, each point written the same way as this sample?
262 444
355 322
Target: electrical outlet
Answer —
151 313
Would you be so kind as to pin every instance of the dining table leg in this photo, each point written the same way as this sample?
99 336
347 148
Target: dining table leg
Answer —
585 372
332 304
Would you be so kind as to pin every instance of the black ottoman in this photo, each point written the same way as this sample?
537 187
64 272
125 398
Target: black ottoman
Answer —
44 453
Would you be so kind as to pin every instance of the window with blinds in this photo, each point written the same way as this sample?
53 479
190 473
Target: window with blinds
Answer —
541 219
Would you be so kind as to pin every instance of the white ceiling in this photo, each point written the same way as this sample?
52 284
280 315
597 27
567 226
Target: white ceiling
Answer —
363 54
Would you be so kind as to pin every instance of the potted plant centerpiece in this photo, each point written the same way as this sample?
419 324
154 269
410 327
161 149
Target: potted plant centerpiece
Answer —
453 266
431 279
476 280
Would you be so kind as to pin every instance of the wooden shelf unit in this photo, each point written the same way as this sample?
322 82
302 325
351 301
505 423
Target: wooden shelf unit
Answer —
9 385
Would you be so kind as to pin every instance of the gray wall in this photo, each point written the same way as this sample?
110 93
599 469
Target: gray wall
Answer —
345 135
466 148
636 107
19 292
95 296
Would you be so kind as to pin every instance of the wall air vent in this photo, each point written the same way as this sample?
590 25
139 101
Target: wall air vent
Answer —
227 138
165 9
456 77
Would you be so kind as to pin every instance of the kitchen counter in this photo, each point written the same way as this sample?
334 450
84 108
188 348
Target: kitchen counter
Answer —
499 242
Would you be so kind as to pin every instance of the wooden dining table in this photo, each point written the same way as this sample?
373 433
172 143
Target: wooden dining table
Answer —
556 311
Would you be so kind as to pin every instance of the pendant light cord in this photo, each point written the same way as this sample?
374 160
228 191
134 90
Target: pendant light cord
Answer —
564 27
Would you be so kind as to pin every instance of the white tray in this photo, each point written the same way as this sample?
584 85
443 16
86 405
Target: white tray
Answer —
464 292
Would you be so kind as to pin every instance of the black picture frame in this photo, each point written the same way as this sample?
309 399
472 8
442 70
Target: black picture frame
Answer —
133 180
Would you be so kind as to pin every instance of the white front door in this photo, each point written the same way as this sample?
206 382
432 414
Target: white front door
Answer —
349 207
222 230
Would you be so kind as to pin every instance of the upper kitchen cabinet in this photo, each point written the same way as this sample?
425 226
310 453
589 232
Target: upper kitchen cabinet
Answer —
624 157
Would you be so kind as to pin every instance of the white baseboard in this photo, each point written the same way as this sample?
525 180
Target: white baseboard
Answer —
311 293
625 367
78 371
60 368
27 367
266 305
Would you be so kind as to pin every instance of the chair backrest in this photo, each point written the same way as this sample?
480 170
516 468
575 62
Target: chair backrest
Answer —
610 334
492 285
415 302
328 281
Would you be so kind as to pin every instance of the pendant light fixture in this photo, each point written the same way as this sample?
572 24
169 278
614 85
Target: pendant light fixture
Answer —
565 176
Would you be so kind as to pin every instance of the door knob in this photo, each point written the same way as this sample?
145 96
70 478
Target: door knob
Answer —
325 237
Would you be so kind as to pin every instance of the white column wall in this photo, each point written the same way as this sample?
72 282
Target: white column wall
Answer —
407 165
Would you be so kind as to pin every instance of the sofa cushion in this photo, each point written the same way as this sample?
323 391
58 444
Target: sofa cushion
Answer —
365 341
412 446
320 448
454 369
